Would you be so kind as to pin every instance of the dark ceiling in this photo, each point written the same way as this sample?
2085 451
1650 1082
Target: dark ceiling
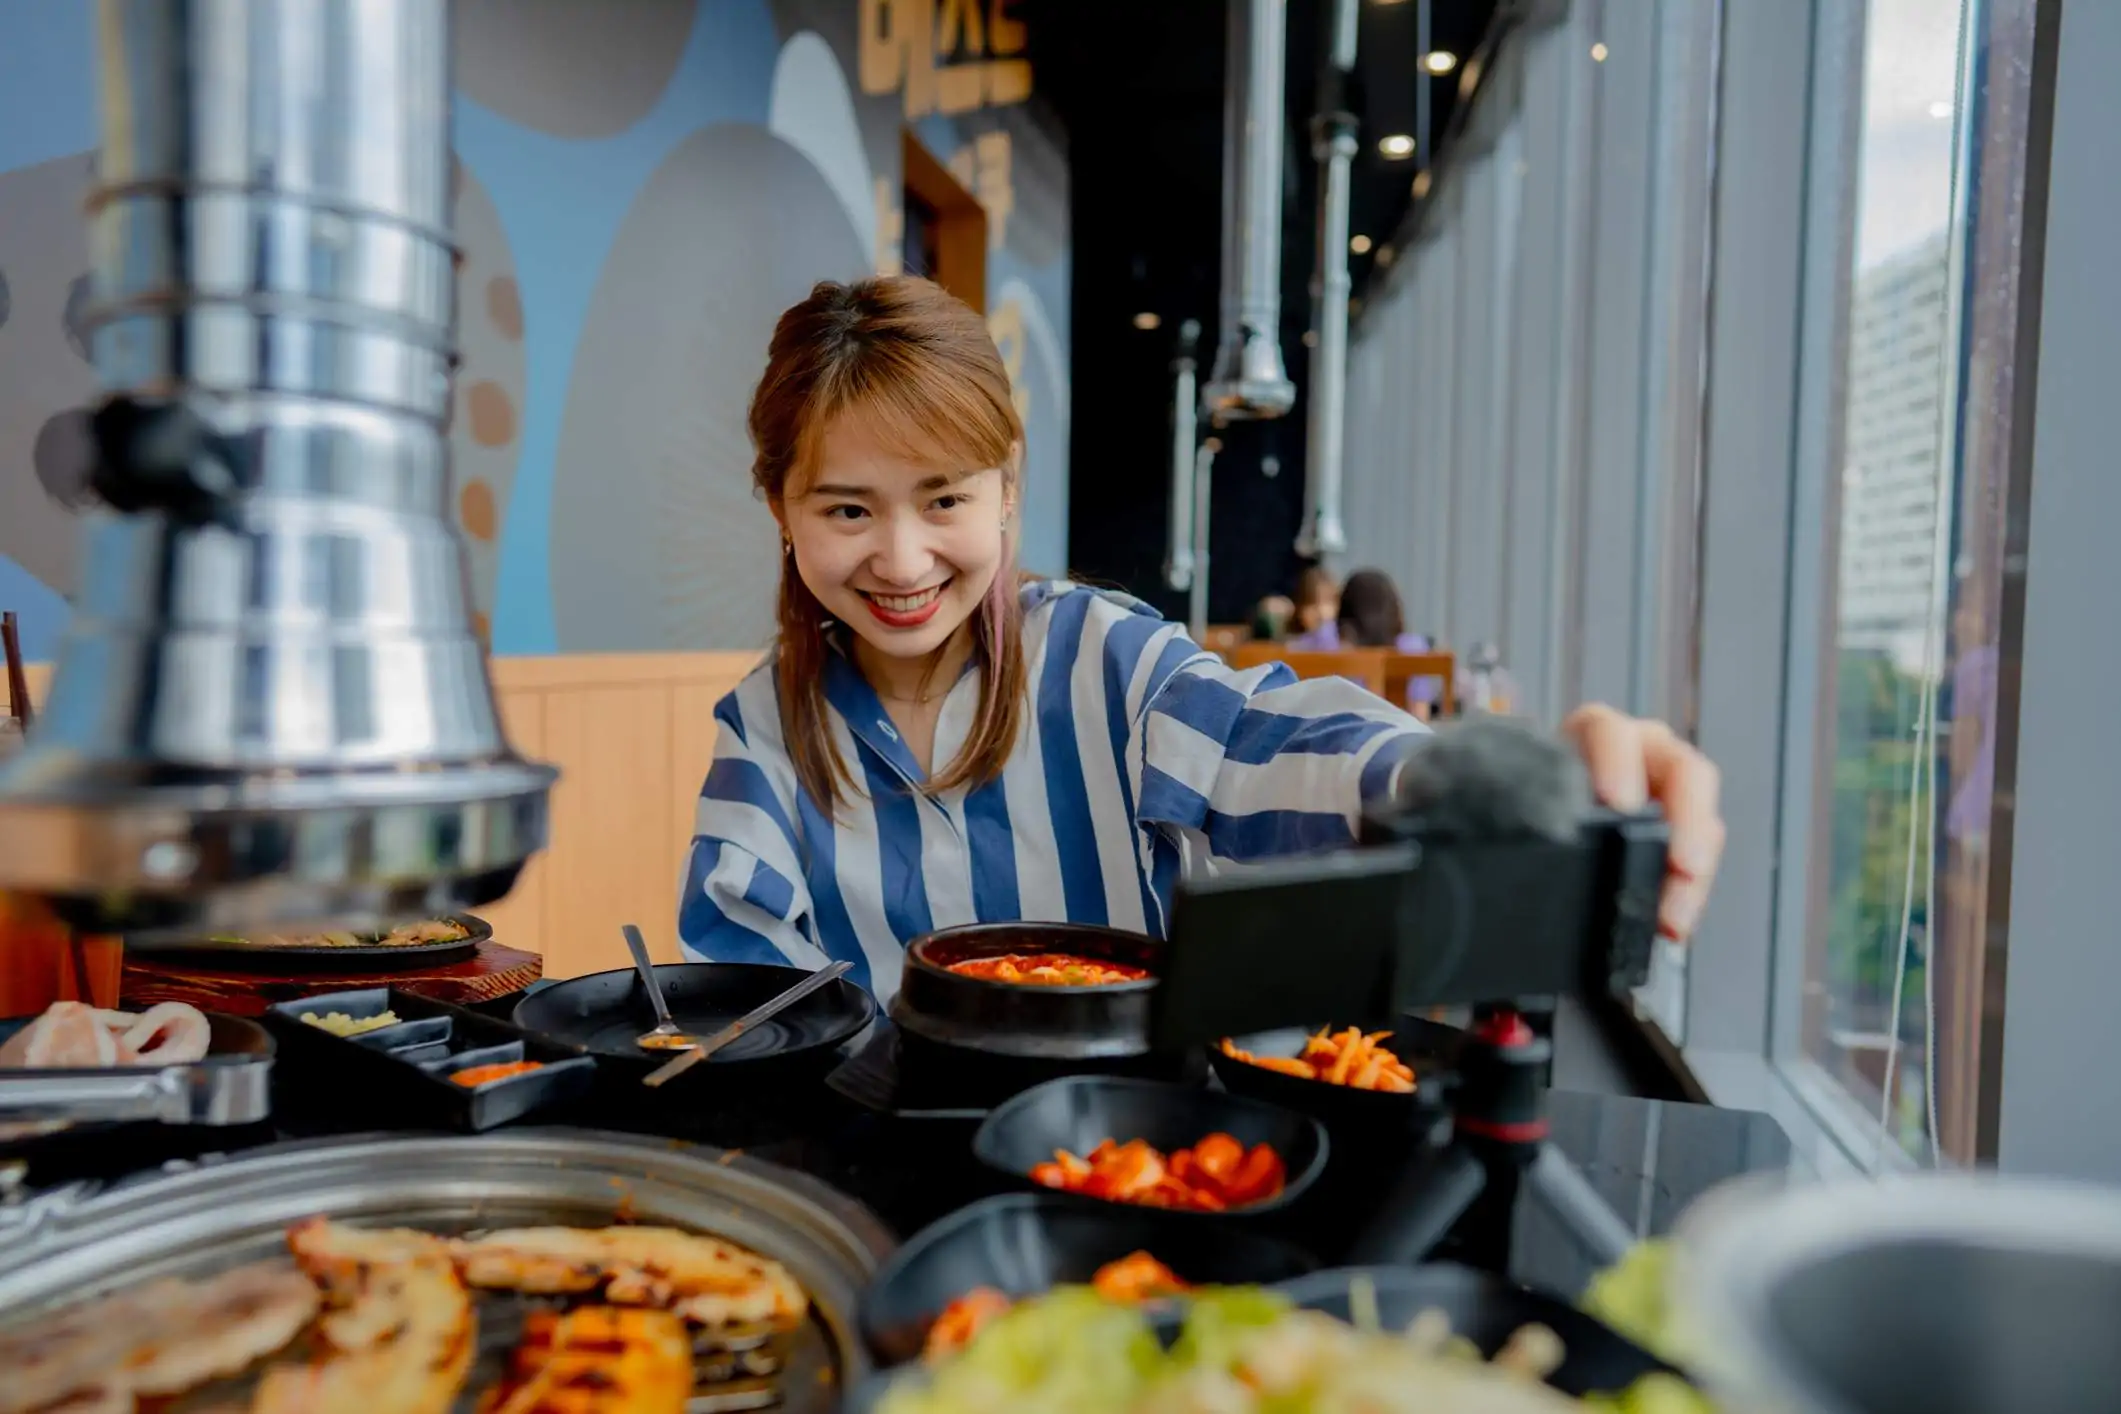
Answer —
1139 88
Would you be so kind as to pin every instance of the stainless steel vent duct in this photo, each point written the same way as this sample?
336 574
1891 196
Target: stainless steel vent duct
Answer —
1185 436
1249 379
270 705
1323 536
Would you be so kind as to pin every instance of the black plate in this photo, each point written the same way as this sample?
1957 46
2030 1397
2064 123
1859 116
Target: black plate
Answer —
1430 1047
399 1075
1081 1111
229 952
1485 1309
1026 1243
603 1013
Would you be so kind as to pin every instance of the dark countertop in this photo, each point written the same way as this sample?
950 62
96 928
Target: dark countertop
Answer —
1646 1159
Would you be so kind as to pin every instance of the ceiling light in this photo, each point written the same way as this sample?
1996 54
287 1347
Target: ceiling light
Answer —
1421 184
1359 244
1439 61
1310 338
1396 145
1384 255
1147 319
1598 53
1940 110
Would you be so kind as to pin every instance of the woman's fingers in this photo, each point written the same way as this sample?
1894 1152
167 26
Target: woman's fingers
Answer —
1611 747
1688 786
1633 762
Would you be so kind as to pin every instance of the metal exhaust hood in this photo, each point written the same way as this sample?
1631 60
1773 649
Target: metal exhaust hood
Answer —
270 706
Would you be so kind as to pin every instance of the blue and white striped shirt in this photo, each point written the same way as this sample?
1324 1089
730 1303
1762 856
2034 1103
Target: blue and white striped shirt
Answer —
1140 751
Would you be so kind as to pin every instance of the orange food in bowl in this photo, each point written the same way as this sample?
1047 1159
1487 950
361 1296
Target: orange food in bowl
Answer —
1338 1058
1213 1176
1048 969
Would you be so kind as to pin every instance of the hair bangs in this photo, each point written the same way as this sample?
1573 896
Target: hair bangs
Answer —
912 411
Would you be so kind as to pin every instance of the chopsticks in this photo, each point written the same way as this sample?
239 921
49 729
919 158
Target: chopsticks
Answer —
762 1013
17 680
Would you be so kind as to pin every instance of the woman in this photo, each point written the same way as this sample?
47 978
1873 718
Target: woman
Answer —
1369 616
934 742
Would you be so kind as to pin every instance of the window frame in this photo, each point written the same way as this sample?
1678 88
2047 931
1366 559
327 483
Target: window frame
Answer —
1745 1039
1689 504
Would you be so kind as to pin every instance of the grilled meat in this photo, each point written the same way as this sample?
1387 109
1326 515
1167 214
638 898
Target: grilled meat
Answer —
159 1339
597 1360
401 1332
704 1279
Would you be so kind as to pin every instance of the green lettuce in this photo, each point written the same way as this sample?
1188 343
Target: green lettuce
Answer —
1220 1321
1067 1352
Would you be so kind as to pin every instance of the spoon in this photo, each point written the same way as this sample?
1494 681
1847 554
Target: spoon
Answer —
758 1015
666 1036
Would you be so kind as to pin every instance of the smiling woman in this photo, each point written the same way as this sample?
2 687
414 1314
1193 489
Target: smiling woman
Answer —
934 742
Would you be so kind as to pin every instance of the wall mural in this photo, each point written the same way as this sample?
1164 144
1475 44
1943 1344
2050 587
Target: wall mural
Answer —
641 190
664 369
486 425
46 384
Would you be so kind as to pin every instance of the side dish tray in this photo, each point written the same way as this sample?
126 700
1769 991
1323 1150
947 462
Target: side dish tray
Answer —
403 1073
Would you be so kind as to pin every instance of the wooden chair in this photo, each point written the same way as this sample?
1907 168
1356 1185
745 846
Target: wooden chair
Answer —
1364 667
1403 668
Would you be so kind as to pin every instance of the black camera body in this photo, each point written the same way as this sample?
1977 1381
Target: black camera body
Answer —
1485 878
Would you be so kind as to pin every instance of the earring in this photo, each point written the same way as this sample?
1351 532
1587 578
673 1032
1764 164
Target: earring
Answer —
787 545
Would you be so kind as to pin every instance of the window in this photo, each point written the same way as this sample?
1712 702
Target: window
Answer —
1895 935
1751 313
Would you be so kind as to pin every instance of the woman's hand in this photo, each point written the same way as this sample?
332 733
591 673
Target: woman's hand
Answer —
1632 762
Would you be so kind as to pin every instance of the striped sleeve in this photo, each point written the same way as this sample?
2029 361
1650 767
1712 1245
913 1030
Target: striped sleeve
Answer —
743 897
1258 762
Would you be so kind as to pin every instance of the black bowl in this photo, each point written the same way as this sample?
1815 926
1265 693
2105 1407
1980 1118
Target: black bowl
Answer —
604 1011
1485 1309
1429 1047
1027 1023
1081 1111
1023 1244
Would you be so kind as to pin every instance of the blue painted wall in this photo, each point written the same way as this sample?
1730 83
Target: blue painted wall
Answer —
642 187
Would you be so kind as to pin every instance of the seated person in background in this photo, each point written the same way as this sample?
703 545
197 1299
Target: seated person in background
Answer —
1370 617
1270 618
1317 606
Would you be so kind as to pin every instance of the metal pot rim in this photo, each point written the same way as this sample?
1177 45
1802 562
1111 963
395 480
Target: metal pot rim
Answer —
1735 1248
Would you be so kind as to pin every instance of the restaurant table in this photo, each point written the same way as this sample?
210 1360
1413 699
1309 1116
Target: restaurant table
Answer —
493 973
1647 1159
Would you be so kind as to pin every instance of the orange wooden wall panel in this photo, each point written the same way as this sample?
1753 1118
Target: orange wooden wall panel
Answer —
632 735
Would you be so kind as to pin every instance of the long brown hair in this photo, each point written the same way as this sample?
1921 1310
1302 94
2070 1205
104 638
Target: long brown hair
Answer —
916 365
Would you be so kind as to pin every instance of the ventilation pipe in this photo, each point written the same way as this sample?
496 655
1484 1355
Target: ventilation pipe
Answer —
1185 435
1323 536
1197 601
1249 379
270 704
